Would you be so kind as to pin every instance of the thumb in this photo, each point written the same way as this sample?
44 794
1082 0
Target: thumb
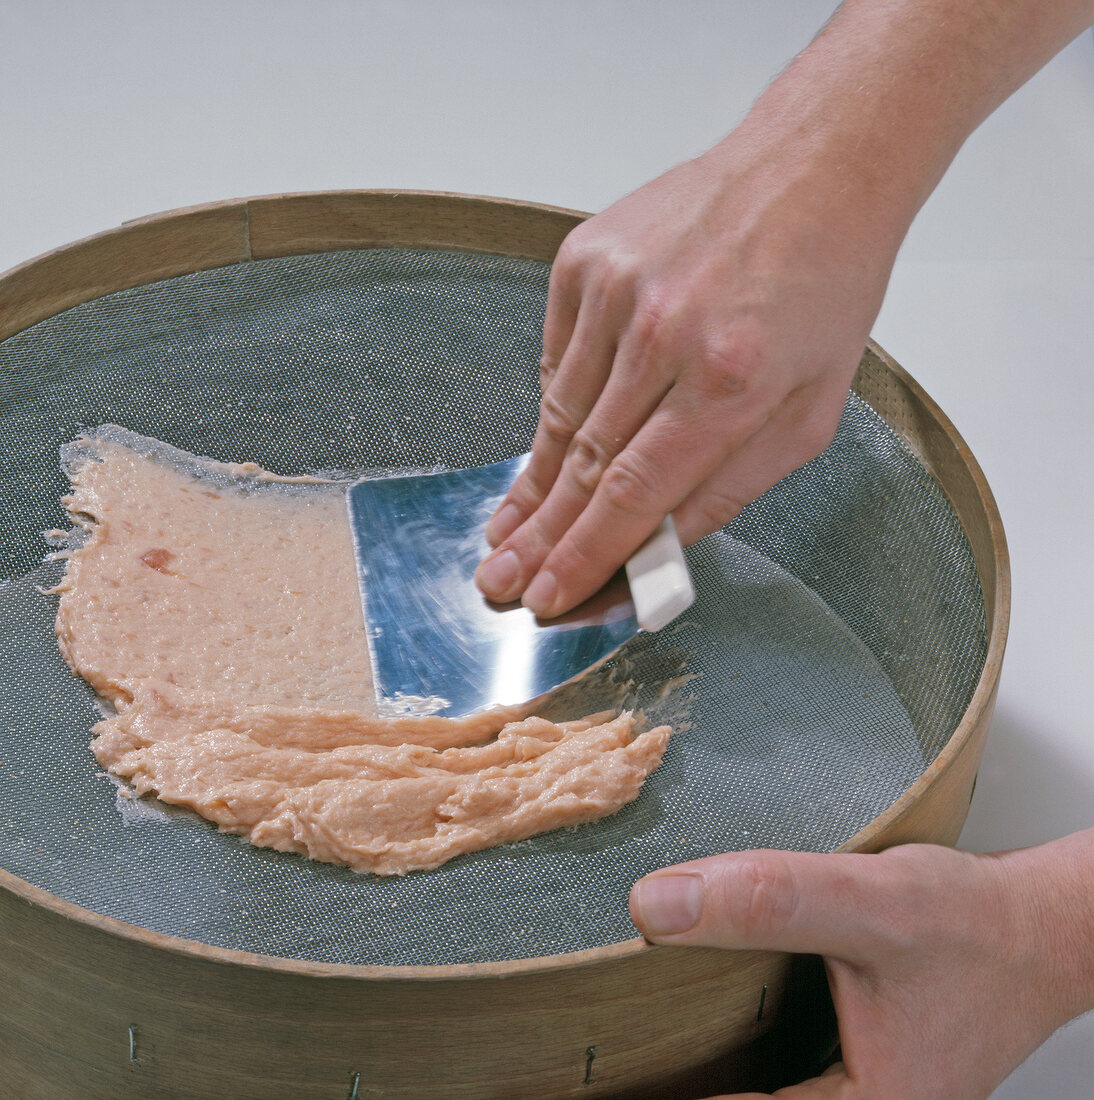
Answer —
768 901
833 1084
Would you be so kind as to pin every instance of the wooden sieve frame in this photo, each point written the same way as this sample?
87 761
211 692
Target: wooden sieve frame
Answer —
93 1005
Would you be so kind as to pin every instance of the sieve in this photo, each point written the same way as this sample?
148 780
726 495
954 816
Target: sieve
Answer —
831 688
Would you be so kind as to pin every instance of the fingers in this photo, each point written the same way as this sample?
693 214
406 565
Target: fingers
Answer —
604 506
567 402
832 905
654 433
578 352
702 454
560 318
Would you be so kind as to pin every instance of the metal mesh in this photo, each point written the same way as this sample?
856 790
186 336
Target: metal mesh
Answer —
837 638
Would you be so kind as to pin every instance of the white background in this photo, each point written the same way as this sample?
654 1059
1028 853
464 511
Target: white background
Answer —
112 110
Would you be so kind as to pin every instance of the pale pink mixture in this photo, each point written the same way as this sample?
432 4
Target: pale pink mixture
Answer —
218 612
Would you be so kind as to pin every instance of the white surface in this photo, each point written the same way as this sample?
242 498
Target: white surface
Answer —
659 580
113 110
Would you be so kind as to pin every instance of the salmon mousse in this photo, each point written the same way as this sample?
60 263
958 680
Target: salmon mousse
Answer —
216 611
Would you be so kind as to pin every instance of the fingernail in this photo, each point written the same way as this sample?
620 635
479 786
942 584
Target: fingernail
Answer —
502 524
541 593
667 904
496 575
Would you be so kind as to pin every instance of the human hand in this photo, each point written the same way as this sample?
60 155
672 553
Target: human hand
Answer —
701 334
947 969
700 339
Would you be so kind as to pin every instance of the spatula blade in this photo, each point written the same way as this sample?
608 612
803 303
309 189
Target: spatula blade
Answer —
431 632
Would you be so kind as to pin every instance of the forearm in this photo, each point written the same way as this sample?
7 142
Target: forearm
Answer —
1053 885
878 105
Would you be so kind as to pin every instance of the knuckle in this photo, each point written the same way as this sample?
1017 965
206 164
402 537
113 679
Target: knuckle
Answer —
589 258
731 365
556 422
588 461
629 484
526 495
717 508
720 376
548 368
652 319
583 251
619 265
809 425
570 257
532 489
529 491
915 875
766 897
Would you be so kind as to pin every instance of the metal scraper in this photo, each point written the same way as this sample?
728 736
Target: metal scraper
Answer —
434 636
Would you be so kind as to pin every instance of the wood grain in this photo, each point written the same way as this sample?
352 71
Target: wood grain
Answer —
139 252
283 225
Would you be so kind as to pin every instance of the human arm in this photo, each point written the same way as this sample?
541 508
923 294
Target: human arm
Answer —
702 333
947 969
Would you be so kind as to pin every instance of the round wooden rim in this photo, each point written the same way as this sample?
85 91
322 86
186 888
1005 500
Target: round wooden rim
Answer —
983 697
30 273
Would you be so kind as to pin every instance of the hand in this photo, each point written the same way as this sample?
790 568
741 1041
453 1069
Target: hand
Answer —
947 969
702 333
700 340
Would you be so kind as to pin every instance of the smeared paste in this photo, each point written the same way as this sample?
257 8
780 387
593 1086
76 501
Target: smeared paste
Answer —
216 609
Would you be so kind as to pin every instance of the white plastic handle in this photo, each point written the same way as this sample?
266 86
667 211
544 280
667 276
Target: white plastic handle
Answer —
658 575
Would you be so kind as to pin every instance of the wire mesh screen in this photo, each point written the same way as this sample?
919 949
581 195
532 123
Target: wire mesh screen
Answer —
836 641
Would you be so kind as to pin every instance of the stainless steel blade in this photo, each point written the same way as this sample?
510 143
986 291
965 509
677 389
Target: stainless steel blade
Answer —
431 632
